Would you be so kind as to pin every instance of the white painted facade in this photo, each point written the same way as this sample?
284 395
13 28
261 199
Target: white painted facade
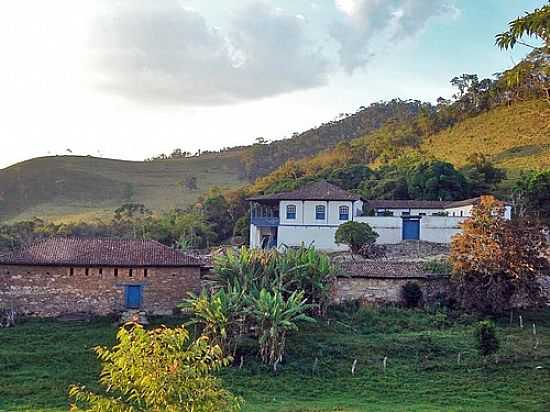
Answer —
314 222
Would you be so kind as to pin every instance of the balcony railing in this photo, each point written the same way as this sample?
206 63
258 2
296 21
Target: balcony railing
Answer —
265 221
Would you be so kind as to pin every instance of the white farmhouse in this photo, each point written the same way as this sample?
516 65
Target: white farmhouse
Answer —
312 214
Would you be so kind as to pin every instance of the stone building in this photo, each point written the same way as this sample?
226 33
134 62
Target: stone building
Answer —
99 276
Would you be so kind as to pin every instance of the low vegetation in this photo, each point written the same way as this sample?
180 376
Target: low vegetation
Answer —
262 296
432 363
157 370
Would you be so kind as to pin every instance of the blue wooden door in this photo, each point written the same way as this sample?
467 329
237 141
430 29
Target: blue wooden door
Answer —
133 296
411 229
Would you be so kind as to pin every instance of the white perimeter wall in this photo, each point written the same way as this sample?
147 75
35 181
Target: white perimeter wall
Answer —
439 229
321 237
389 228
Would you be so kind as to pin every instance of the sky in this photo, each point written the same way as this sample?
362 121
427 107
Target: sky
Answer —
130 79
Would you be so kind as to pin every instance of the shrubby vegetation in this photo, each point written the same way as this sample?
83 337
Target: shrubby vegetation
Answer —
355 235
262 294
486 338
157 370
495 260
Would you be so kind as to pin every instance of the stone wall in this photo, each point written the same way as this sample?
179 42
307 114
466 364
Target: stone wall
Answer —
51 291
380 281
373 290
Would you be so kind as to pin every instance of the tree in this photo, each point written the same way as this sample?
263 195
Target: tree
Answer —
157 370
215 210
535 24
436 180
355 235
531 194
495 260
482 175
486 338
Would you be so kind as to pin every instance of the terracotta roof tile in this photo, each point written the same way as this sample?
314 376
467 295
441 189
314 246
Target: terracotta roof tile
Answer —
315 191
99 252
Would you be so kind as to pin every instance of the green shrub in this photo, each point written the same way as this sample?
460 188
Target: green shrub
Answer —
158 370
411 294
355 235
486 338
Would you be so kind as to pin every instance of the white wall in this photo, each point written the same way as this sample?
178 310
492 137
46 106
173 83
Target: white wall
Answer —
389 228
439 229
460 211
321 237
334 212
254 236
299 212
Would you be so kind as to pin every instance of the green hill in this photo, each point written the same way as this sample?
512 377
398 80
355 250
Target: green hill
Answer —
71 188
516 137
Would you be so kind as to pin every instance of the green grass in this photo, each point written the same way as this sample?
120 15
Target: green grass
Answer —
39 359
516 137
72 188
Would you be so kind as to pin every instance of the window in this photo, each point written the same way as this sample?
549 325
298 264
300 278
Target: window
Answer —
130 273
422 214
115 272
462 213
319 212
343 211
71 271
405 213
291 212
87 271
101 271
145 273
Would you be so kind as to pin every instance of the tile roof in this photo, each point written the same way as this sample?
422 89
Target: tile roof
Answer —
99 252
405 204
315 191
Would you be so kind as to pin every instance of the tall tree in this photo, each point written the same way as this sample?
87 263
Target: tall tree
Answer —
495 260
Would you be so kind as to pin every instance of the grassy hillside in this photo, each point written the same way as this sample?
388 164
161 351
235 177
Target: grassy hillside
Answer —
72 188
516 137
75 187
40 359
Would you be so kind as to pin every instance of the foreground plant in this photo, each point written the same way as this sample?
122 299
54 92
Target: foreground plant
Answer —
221 315
275 317
157 371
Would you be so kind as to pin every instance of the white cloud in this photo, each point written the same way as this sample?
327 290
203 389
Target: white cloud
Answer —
163 52
365 22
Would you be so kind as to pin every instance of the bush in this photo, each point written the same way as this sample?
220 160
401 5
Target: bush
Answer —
158 370
355 235
411 294
486 338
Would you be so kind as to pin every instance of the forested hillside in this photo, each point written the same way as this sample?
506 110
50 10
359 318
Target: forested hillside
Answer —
264 157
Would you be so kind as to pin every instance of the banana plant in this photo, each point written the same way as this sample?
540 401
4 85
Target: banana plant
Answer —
221 314
275 317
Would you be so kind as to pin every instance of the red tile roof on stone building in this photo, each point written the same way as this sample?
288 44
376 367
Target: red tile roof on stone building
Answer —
99 252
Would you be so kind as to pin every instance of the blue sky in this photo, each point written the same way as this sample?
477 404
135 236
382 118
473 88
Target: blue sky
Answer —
133 78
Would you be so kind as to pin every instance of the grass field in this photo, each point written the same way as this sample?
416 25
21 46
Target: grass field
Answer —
73 188
39 359
515 137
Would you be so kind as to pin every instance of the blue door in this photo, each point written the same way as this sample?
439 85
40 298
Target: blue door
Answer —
133 296
411 229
